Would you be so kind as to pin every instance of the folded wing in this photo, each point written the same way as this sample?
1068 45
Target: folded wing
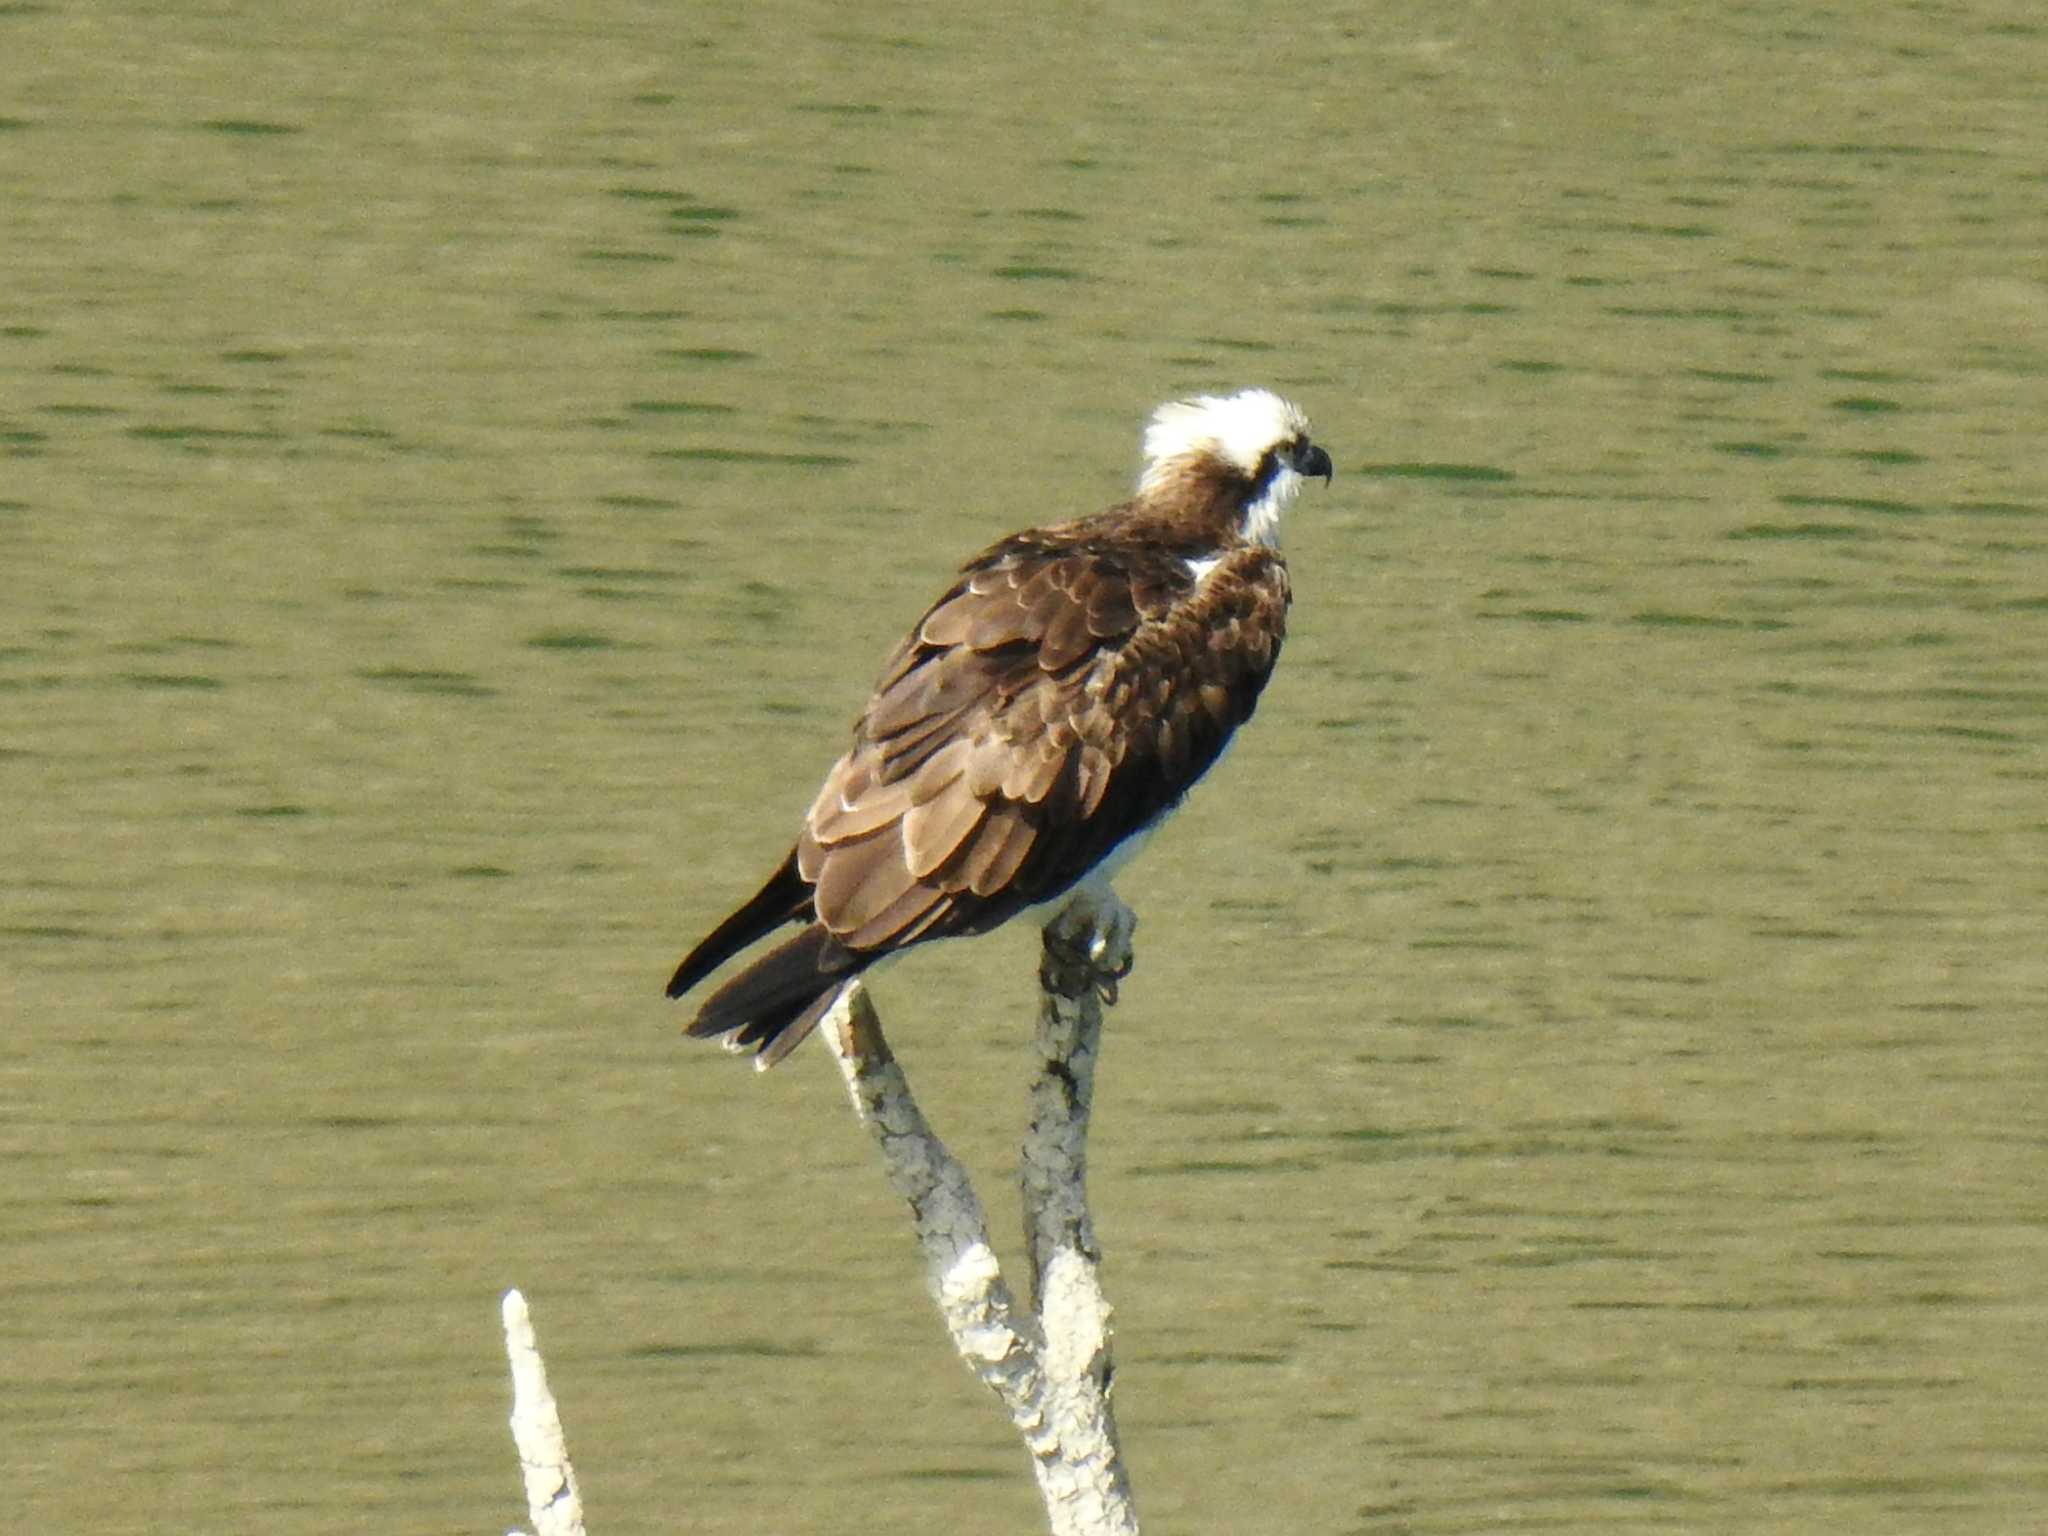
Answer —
1056 700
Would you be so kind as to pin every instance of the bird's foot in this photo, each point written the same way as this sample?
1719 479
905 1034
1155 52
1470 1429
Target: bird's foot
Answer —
1088 945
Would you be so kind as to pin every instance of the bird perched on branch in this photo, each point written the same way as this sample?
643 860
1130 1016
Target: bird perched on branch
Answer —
1035 725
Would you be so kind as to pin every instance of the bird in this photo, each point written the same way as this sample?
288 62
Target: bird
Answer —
1036 724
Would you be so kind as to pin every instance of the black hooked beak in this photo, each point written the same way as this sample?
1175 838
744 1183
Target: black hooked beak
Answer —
1309 461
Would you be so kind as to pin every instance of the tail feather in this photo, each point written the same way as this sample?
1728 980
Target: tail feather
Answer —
783 900
772 1004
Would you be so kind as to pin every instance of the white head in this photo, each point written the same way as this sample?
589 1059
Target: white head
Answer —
1253 432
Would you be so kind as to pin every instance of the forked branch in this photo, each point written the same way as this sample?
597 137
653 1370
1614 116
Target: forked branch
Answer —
1051 1366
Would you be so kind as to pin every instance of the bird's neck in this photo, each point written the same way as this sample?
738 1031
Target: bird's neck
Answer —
1201 502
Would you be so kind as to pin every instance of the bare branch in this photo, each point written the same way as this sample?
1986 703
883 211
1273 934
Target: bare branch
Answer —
960 1266
552 1502
1086 953
1051 1369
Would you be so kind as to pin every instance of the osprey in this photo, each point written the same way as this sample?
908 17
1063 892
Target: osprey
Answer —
1044 715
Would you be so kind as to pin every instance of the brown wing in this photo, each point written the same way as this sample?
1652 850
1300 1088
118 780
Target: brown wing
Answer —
1059 698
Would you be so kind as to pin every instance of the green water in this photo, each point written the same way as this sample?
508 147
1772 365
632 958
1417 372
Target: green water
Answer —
462 467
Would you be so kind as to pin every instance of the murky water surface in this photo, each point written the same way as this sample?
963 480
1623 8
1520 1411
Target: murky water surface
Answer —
462 468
